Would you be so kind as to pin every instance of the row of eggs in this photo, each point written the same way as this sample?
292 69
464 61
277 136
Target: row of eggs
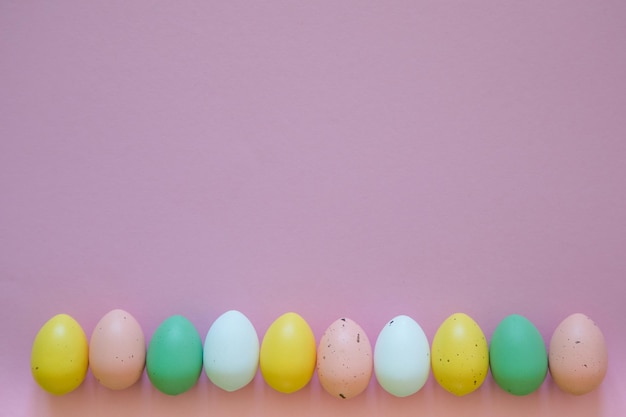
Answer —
288 356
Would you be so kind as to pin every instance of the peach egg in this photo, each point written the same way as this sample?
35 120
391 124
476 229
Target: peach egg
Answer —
344 359
117 350
578 355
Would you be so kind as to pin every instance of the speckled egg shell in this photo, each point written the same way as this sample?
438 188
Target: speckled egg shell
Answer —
60 356
117 350
460 355
578 357
344 359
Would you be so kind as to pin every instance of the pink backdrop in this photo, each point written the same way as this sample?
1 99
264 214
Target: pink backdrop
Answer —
331 158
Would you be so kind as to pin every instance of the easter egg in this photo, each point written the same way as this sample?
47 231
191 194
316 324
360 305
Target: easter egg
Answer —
459 355
578 357
174 359
117 350
518 356
60 355
287 355
402 357
231 351
344 359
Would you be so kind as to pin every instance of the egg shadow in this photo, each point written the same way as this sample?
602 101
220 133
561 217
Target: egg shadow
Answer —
76 403
416 404
242 402
504 402
563 403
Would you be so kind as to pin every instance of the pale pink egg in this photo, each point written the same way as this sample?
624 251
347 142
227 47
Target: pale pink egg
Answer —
117 350
578 357
344 359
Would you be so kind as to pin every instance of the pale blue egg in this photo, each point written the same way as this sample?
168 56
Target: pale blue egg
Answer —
231 351
402 357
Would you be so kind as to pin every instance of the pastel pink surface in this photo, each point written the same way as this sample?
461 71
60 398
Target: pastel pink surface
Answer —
333 159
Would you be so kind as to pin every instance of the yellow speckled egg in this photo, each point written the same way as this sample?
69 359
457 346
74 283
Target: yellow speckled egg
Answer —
287 355
578 357
460 355
60 355
344 359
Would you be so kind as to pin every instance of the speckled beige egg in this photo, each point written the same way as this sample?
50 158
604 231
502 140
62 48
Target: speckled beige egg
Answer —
344 359
578 355
117 350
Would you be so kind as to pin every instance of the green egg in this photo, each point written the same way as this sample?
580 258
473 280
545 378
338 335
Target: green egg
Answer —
518 356
174 358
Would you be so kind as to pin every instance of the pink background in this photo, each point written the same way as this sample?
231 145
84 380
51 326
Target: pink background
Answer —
331 158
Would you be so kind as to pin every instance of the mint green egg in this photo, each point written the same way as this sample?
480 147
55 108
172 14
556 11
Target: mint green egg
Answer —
174 358
518 356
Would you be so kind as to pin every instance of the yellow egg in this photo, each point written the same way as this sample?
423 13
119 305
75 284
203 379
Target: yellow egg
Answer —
288 353
460 355
60 355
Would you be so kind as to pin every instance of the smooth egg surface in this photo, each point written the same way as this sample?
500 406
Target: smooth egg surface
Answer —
344 359
117 350
60 355
460 355
402 357
578 357
231 351
287 355
518 355
174 359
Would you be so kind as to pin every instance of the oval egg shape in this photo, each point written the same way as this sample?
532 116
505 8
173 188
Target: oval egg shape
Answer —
117 350
231 351
174 359
460 355
578 357
60 355
518 356
402 357
344 359
287 355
